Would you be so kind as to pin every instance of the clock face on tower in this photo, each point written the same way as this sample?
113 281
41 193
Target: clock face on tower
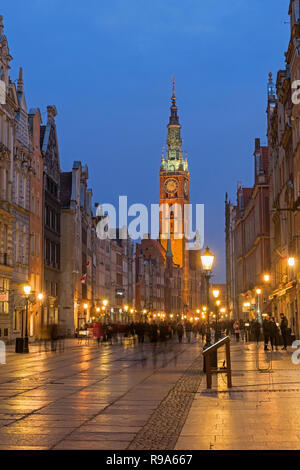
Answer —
171 185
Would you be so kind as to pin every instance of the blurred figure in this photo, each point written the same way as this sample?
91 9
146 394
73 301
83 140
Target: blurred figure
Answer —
61 334
188 330
255 330
140 331
54 336
274 333
236 329
284 330
180 331
266 332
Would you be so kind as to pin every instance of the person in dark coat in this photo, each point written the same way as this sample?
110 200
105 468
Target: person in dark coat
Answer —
284 330
188 330
274 333
154 332
266 331
140 331
180 331
255 330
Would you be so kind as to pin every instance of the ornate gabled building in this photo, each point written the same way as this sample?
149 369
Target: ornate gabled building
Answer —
21 205
52 215
36 223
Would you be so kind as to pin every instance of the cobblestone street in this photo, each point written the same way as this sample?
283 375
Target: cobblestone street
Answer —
147 397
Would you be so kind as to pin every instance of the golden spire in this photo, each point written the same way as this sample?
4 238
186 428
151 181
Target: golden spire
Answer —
173 93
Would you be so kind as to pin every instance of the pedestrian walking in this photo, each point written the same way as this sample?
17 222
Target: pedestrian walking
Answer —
274 334
236 329
266 332
188 330
203 332
180 331
284 330
255 330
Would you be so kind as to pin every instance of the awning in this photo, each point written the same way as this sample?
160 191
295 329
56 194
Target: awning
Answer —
283 290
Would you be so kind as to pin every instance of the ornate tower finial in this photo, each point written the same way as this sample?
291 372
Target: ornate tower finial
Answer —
20 85
173 90
271 92
1 25
173 117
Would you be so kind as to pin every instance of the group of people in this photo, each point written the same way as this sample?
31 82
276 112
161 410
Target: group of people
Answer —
163 331
53 335
270 329
152 331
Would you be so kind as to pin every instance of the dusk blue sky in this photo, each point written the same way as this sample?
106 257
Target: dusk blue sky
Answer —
107 66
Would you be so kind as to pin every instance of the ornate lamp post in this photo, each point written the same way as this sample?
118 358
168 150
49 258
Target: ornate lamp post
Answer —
22 343
207 261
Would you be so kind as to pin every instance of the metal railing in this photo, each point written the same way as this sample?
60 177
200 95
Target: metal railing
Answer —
207 357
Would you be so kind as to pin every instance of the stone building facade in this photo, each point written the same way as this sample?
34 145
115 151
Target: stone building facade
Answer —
76 298
36 224
52 222
248 242
8 107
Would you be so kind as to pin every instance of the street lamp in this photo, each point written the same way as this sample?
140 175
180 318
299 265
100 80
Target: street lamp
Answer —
291 261
216 293
207 261
267 277
258 293
22 343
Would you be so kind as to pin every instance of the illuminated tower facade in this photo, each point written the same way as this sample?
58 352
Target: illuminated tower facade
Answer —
174 194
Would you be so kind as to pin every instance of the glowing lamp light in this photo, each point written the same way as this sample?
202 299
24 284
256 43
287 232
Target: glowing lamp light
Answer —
198 311
267 277
258 291
27 290
85 306
218 302
97 309
223 310
204 309
291 262
207 260
126 308
40 296
216 293
105 302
